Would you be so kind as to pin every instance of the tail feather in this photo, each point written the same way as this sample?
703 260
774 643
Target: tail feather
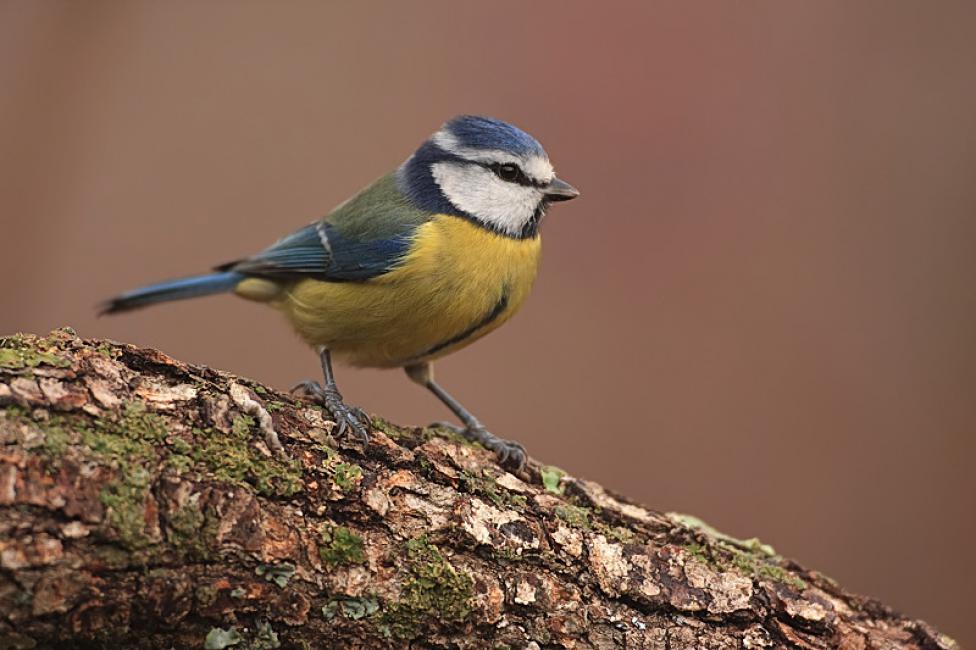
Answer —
192 287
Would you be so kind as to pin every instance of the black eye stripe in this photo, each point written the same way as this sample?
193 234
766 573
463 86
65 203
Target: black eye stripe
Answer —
520 177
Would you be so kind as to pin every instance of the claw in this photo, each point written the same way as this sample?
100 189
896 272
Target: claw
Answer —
346 418
508 452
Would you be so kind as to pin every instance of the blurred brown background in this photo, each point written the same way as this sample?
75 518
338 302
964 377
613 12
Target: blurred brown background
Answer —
762 310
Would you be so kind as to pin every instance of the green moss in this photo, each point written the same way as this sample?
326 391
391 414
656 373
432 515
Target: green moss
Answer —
761 569
755 567
233 459
347 476
415 436
432 590
750 556
552 478
56 440
191 531
125 504
132 440
108 351
340 546
241 426
135 434
113 557
56 435
24 351
179 463
127 441
126 434
575 516
482 484
616 533
449 434
387 427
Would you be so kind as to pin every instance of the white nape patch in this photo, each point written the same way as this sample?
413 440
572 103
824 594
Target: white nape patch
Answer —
535 167
480 193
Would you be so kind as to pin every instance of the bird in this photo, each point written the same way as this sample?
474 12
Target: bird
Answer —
422 262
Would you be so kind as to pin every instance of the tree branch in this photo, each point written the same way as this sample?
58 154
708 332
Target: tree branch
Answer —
140 507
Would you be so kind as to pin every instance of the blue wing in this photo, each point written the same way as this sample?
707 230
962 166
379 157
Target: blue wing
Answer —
321 252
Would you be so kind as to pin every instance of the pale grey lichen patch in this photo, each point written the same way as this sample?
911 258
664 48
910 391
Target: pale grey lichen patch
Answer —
377 500
26 390
645 583
489 597
411 506
540 589
599 497
483 523
8 484
730 592
807 610
608 565
250 406
524 593
513 483
569 539
102 391
436 516
162 395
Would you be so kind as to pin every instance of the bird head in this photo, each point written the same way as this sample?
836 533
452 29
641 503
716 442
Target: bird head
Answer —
486 170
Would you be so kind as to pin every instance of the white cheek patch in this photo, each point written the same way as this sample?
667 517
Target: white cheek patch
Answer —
480 193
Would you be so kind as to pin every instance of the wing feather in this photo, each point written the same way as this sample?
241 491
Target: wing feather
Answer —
365 237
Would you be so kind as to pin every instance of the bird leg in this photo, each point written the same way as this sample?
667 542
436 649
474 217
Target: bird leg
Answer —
509 452
347 418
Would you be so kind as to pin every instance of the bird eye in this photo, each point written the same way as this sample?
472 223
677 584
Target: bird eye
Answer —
508 172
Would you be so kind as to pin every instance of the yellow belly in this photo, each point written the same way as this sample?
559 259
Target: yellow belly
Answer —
458 283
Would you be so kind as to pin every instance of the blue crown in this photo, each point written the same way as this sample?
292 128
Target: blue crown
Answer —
479 132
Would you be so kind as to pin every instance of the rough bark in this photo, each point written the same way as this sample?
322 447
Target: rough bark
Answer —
140 507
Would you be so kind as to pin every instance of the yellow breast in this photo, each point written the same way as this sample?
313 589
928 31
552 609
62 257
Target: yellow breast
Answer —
459 281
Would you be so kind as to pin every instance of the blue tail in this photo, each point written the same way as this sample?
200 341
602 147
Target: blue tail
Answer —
198 285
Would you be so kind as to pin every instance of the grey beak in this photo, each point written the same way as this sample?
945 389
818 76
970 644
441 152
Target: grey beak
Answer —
558 190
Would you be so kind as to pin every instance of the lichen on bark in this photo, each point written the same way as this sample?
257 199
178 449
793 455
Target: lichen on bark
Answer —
145 503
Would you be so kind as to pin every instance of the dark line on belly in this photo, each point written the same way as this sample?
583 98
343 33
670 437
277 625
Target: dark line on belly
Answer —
495 312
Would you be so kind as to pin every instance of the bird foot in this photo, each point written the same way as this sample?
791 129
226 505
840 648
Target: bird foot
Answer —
347 418
509 452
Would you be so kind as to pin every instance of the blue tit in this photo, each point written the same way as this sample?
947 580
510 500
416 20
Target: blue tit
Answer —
422 262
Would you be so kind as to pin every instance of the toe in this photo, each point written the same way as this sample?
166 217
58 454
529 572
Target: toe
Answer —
307 388
361 432
362 416
513 454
